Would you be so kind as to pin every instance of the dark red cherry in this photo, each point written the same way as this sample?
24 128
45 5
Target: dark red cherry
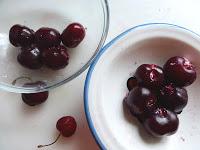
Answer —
47 37
66 126
33 99
132 83
180 71
29 57
141 100
150 75
55 57
21 36
73 35
161 122
173 98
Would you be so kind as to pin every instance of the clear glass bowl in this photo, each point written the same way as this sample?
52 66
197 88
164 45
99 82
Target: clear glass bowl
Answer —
93 15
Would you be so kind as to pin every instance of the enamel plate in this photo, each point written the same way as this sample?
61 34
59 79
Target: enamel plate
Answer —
105 88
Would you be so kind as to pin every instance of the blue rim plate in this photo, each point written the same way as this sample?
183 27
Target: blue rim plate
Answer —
90 72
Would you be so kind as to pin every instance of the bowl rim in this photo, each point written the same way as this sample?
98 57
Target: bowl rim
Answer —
15 89
91 69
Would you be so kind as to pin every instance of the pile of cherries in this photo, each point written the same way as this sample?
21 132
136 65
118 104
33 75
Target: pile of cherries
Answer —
44 46
156 95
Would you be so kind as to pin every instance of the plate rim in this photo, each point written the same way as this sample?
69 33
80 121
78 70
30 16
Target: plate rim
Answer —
92 66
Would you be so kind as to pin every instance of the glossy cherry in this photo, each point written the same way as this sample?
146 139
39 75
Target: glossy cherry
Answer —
173 98
180 71
73 35
47 37
66 126
132 83
21 36
33 99
141 100
29 57
55 57
161 122
150 75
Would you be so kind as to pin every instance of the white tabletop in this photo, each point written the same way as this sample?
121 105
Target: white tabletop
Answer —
36 125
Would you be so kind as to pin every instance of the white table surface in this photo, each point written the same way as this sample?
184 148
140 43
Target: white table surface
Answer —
36 125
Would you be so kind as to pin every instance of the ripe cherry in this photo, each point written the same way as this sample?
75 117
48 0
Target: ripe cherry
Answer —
29 57
132 83
33 99
141 100
21 36
66 126
73 35
55 57
161 122
47 37
180 71
150 75
173 98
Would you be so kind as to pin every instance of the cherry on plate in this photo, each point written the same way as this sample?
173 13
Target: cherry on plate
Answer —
141 100
173 98
73 35
33 99
132 83
180 71
30 57
47 37
150 75
55 57
161 122
21 36
66 126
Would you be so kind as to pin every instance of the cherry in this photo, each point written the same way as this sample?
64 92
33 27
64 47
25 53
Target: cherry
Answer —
73 35
131 83
161 122
47 37
141 100
66 126
29 57
33 99
180 71
21 36
55 57
150 75
173 98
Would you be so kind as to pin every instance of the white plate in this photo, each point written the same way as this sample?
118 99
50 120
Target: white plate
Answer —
105 88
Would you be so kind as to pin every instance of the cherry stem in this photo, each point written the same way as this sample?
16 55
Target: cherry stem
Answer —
22 77
40 146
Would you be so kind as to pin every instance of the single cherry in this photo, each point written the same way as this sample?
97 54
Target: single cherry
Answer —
47 37
21 36
180 71
55 57
161 122
66 126
141 100
150 75
29 57
132 83
73 35
33 99
173 98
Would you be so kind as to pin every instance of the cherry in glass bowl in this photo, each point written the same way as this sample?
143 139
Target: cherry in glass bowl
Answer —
57 15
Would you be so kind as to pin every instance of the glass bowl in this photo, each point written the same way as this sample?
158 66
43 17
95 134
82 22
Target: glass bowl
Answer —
93 15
